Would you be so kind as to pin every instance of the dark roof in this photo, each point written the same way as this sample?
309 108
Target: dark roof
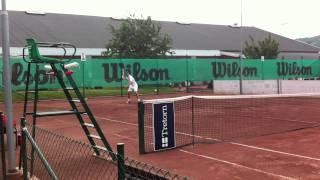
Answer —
92 32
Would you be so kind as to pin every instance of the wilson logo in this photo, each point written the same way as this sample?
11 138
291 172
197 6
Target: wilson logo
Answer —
112 72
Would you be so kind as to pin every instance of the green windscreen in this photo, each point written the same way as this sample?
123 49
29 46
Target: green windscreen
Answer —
107 72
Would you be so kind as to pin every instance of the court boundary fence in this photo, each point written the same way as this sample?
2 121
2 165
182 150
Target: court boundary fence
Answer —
27 136
51 162
107 72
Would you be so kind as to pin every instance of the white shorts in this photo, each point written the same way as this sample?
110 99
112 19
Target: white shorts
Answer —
133 88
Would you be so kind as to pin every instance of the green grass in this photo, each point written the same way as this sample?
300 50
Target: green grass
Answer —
112 91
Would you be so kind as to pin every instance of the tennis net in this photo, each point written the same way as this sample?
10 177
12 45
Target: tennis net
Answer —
210 119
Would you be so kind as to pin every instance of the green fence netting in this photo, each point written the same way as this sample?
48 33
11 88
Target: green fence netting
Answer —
107 72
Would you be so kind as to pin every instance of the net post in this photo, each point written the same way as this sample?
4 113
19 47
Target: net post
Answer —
141 127
120 157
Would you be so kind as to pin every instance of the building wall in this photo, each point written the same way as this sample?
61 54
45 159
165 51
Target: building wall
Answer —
302 55
266 86
17 51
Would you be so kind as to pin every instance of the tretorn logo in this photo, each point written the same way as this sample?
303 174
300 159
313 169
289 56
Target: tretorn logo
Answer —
164 126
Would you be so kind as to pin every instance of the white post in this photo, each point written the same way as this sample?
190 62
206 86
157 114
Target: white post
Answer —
241 68
7 86
83 60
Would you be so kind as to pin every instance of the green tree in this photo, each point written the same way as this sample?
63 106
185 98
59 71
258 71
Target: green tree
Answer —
138 38
269 48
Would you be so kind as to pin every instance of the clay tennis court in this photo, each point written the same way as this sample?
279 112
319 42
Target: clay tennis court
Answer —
289 155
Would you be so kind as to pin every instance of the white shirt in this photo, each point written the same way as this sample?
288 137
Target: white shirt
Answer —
131 80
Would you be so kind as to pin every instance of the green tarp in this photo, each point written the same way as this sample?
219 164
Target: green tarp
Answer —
107 72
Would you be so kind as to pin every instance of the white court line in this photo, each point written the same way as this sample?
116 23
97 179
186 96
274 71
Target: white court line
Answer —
117 121
240 166
234 143
274 151
133 124
230 163
126 137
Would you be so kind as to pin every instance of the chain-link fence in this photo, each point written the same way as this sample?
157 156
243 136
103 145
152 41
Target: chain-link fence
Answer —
49 156
139 170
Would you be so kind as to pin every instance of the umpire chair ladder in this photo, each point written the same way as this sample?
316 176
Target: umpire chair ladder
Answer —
79 106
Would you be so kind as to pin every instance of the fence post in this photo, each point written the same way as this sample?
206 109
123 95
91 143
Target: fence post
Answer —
279 84
158 84
3 155
278 87
121 85
241 77
192 109
141 127
24 149
83 78
213 86
121 88
121 74
187 78
121 164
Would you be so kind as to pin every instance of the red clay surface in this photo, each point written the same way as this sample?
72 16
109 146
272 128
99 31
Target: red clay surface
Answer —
291 155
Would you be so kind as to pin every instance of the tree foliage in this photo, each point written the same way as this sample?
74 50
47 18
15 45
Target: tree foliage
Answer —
138 38
269 48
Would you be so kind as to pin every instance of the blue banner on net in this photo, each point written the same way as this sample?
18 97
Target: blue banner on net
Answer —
163 126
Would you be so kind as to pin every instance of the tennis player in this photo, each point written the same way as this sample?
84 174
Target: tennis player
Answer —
132 85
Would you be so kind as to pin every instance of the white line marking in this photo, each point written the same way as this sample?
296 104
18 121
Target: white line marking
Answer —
133 124
274 151
307 122
291 120
240 166
234 143
117 121
126 137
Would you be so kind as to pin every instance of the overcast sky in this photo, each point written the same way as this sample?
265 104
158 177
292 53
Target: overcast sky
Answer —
290 18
